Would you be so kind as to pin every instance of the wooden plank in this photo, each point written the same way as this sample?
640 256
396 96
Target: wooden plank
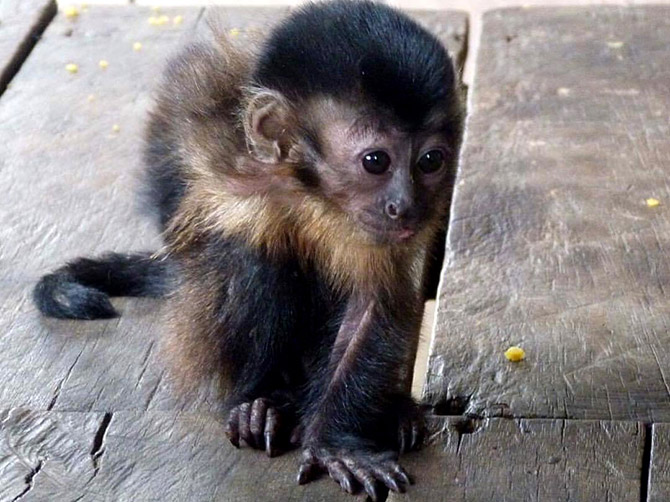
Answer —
659 466
135 455
21 24
551 244
69 190
530 460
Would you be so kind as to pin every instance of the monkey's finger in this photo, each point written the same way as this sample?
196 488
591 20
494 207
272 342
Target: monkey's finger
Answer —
417 435
232 427
389 478
309 467
375 490
402 474
404 437
342 475
259 410
271 431
245 418
308 472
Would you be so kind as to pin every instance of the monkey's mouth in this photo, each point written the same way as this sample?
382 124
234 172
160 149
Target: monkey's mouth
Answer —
388 233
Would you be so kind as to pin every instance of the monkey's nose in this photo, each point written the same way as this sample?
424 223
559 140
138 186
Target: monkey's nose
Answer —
394 210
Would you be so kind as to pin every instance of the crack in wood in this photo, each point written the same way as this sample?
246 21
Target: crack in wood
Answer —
646 462
27 44
30 480
153 392
59 387
453 405
98 448
144 362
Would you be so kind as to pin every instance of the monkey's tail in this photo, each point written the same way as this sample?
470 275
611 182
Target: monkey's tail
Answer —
81 289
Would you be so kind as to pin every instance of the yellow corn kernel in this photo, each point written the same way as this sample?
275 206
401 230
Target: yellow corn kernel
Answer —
651 202
177 20
515 354
71 12
156 8
103 63
116 128
72 68
137 46
234 32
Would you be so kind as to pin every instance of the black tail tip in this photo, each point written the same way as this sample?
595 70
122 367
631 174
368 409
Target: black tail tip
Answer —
58 295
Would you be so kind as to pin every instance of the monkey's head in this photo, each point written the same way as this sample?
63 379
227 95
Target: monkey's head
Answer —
365 112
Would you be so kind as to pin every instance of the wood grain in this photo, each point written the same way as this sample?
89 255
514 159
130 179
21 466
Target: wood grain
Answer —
168 456
507 460
551 245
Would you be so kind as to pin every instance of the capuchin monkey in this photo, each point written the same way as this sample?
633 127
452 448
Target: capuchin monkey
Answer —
298 192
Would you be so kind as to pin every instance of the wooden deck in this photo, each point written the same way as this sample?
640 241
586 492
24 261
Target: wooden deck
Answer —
551 246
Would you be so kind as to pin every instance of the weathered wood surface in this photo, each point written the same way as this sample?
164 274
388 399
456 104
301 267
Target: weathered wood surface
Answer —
21 23
551 244
529 460
659 466
166 456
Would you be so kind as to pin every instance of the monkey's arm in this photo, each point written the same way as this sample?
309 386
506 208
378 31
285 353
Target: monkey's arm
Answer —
365 414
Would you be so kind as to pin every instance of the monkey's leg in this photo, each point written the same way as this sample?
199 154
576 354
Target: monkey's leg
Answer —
353 432
245 317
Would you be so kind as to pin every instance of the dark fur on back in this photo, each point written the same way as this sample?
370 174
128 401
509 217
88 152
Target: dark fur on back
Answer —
366 48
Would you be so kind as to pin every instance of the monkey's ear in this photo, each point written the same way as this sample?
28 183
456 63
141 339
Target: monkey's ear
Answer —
269 125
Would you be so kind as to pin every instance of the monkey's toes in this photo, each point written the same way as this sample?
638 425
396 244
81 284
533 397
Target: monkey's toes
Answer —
257 423
376 473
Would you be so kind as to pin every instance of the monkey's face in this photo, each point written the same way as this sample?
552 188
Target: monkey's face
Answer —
386 180
389 181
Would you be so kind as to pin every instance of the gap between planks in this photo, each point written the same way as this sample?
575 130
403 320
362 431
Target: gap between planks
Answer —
25 46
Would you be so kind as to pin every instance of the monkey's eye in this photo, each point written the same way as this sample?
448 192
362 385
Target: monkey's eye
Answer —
376 162
431 161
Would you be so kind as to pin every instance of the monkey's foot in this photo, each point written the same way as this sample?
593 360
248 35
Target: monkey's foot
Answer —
259 424
376 473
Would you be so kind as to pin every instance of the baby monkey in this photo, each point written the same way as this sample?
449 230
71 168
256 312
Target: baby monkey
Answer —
298 192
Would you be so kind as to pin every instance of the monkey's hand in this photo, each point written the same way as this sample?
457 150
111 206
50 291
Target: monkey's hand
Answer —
375 472
260 424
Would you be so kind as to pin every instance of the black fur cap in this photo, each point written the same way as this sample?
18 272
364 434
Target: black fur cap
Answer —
342 47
